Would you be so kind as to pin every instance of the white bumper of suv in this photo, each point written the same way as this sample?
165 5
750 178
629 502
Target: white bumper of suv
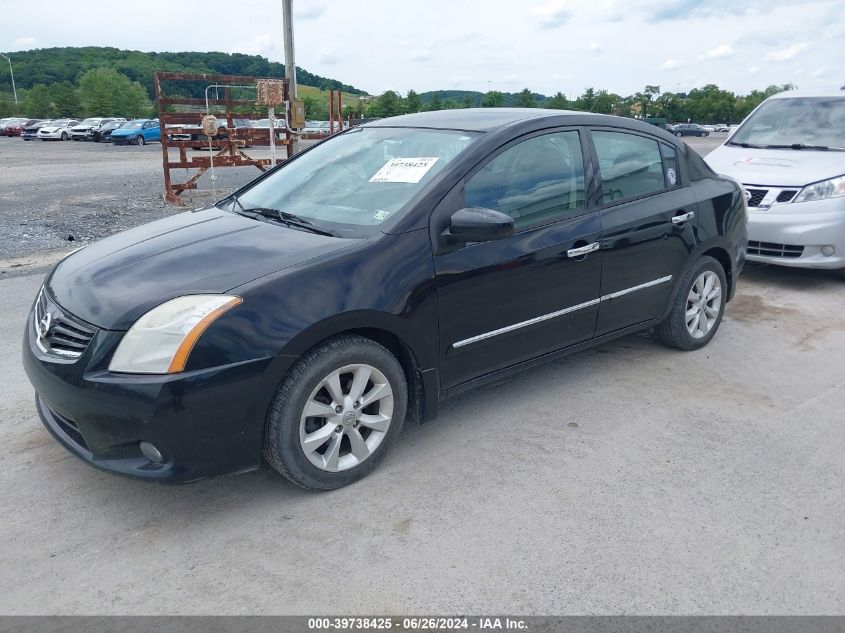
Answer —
802 234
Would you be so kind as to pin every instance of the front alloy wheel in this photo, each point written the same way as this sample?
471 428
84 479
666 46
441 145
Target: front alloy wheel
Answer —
139 140
346 418
336 413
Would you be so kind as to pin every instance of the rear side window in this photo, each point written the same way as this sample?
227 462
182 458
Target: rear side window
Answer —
630 165
537 181
670 166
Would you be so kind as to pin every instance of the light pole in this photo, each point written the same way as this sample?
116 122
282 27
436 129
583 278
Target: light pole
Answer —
8 59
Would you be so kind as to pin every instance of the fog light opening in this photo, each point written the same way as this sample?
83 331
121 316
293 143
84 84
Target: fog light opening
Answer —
828 250
151 452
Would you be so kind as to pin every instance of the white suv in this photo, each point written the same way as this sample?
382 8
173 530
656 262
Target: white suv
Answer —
789 155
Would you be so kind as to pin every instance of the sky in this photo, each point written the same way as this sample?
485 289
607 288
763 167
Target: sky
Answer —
507 45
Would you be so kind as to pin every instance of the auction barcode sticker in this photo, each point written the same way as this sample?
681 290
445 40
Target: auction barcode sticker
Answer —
404 170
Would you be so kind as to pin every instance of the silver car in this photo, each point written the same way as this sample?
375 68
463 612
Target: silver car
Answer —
789 154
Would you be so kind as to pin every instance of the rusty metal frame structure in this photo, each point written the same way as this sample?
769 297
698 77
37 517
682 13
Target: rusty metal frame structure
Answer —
227 152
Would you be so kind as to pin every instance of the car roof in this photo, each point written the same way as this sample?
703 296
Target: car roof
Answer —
483 119
791 94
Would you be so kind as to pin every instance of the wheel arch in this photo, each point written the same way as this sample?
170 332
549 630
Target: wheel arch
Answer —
385 330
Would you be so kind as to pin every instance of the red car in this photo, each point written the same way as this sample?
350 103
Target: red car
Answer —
16 126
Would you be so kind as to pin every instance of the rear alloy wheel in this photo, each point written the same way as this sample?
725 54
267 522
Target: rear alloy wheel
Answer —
678 134
698 307
336 414
64 136
139 140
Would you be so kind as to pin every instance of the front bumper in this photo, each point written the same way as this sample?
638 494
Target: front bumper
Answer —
206 422
794 234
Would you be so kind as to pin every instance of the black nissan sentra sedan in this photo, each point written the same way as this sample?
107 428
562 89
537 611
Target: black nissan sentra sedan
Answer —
303 319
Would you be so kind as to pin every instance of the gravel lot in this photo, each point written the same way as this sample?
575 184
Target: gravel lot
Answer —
628 479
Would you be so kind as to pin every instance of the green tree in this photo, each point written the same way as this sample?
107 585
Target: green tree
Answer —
469 101
7 106
65 99
315 109
413 103
493 99
106 92
525 99
436 103
558 102
38 103
388 104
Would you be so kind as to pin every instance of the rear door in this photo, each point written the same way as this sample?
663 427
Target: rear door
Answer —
506 301
648 225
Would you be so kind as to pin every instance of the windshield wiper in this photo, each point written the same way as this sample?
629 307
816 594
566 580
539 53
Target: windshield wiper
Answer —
284 217
746 145
804 146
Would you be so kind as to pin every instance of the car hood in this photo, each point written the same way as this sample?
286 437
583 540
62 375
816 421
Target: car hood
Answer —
776 167
113 282
49 129
125 131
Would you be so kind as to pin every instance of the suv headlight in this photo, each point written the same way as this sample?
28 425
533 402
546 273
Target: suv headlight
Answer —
823 190
161 340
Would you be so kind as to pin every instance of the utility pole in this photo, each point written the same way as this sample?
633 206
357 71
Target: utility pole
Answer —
290 62
8 59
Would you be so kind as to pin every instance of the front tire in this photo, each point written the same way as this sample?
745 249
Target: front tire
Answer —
64 136
698 307
678 134
336 414
139 140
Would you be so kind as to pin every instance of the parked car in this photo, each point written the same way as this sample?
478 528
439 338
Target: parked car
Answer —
689 129
316 127
84 131
194 132
789 153
137 132
304 317
15 126
721 127
30 132
58 130
103 132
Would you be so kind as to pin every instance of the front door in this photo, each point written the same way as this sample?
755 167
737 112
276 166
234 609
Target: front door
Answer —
506 301
648 221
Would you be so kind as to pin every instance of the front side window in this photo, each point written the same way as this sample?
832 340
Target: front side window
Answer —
354 182
536 181
630 165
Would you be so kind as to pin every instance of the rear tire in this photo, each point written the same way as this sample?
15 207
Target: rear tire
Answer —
139 140
332 448
678 134
64 136
698 307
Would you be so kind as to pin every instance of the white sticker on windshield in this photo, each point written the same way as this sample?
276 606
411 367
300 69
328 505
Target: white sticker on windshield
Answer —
404 170
381 215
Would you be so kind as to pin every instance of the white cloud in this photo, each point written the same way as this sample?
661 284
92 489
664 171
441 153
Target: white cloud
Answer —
753 70
819 72
595 47
723 51
552 14
330 53
672 64
785 54
420 56
308 12
25 42
262 44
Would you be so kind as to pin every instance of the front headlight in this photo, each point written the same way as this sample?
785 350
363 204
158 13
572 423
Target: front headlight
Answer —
161 340
823 190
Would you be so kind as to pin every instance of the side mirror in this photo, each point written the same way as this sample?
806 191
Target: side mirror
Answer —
477 224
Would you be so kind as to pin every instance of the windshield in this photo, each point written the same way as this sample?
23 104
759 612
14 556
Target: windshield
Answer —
354 182
90 122
814 121
133 124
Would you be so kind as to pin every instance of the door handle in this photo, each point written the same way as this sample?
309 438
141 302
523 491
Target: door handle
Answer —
583 250
683 217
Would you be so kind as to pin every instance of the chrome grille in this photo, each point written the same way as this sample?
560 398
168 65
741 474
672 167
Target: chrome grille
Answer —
58 332
770 249
755 196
